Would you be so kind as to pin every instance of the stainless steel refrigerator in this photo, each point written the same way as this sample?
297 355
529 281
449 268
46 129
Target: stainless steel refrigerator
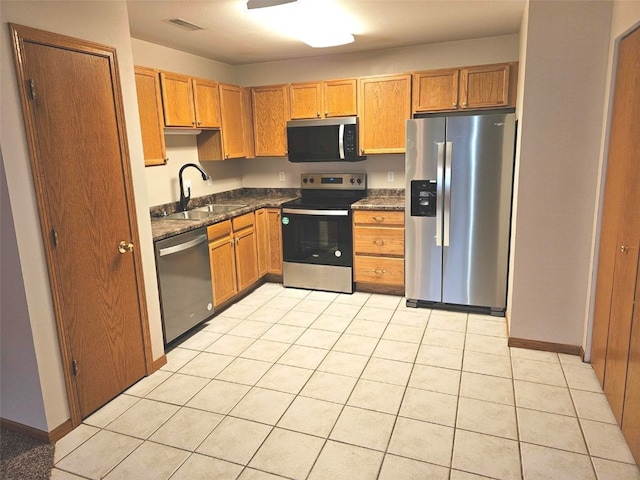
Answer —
459 178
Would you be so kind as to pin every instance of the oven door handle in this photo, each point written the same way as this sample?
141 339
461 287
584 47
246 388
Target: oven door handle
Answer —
333 213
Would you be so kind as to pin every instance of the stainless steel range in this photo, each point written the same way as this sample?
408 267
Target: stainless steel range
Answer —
317 236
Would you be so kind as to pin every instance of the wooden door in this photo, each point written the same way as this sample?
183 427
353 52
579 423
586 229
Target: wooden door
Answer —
305 100
206 99
177 100
485 86
262 241
150 111
340 98
232 123
435 90
223 262
613 356
383 109
631 419
275 241
74 119
270 115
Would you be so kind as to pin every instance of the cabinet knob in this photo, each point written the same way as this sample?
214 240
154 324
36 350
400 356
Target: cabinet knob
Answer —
624 248
318 114
464 104
455 104
226 156
326 114
379 271
362 151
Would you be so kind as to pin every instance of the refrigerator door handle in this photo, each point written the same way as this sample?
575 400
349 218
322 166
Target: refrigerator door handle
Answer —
447 191
439 193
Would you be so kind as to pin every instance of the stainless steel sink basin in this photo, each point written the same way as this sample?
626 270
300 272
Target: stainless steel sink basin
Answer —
203 212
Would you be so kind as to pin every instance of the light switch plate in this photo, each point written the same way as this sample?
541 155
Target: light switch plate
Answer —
391 176
281 176
187 186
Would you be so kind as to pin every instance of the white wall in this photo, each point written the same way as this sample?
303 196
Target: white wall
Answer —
560 128
104 22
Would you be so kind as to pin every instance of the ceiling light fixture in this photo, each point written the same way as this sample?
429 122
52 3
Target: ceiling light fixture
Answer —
182 23
324 39
251 4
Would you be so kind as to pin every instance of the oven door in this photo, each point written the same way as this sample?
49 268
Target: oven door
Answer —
317 237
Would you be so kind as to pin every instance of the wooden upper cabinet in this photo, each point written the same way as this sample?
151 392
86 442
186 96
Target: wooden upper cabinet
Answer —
233 137
306 100
247 123
150 111
435 90
485 86
334 98
482 86
270 116
384 106
189 102
206 99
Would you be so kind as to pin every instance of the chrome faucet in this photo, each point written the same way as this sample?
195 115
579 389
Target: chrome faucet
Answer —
184 199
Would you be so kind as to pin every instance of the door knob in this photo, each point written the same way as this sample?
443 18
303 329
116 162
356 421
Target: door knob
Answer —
125 247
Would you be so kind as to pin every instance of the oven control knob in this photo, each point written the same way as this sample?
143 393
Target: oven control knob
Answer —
311 180
304 180
352 181
359 181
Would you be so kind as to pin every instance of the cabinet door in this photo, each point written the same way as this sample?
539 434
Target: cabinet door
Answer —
177 100
150 111
435 90
223 269
340 98
270 115
232 123
384 107
207 103
485 86
247 123
262 240
275 241
306 100
246 258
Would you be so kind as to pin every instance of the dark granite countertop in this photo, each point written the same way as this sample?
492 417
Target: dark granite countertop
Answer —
251 199
381 199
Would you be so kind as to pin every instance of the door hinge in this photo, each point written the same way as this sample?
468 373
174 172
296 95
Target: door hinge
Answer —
74 367
32 89
54 236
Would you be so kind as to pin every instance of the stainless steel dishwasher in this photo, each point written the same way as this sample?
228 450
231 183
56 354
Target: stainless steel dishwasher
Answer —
184 280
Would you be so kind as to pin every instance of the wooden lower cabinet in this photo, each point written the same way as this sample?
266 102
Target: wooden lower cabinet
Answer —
378 244
269 240
223 262
274 264
233 257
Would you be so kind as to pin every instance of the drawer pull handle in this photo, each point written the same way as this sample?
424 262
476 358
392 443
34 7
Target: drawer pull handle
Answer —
378 219
379 271
379 242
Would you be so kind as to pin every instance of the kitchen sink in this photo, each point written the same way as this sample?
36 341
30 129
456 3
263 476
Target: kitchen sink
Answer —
201 213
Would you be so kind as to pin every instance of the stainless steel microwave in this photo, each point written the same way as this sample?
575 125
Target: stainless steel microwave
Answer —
323 140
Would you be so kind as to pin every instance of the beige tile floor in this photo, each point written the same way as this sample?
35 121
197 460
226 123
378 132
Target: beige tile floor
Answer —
313 385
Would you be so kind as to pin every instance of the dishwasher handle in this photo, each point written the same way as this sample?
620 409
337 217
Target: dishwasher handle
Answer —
182 246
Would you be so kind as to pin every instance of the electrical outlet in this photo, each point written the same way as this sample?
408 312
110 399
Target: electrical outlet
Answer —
391 176
187 186
281 176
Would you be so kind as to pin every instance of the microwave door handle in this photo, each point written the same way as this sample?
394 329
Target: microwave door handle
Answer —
341 141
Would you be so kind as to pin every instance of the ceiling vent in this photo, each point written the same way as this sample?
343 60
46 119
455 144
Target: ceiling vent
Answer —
179 22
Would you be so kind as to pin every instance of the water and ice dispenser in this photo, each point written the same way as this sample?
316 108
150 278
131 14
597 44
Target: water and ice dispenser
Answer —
423 198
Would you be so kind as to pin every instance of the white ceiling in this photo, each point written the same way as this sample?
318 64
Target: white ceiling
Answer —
234 35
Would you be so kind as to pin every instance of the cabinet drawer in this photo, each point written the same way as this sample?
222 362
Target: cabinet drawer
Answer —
243 221
378 217
379 241
222 229
381 270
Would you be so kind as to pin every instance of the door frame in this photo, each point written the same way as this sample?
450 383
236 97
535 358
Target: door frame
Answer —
20 34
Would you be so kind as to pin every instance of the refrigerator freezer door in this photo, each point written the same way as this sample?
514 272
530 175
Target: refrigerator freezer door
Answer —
424 162
480 152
